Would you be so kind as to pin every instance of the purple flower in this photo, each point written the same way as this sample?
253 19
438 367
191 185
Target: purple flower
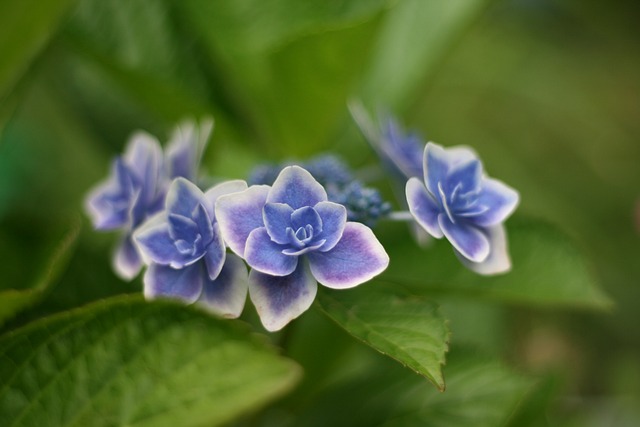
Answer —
293 237
138 183
134 191
458 201
185 252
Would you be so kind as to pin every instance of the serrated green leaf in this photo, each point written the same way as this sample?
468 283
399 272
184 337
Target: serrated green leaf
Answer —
126 362
12 301
408 329
415 36
548 269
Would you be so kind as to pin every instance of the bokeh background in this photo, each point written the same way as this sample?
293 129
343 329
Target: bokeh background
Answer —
548 92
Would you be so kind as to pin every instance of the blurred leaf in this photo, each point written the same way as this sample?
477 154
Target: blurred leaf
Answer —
414 38
286 67
548 269
25 28
479 393
410 330
54 262
127 362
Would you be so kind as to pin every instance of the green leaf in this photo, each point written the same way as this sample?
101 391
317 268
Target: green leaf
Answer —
25 28
126 362
12 301
548 269
480 392
287 67
415 37
408 329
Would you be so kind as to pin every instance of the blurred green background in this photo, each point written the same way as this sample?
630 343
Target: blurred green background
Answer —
546 91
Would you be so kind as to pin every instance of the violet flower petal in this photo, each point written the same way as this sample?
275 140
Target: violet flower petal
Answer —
500 201
227 187
466 238
183 198
185 284
334 218
498 260
277 218
126 260
356 258
156 245
423 207
266 256
280 299
226 295
297 188
215 255
238 214
438 162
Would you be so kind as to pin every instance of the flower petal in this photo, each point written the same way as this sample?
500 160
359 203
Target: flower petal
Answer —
226 295
466 238
214 257
109 203
266 256
277 218
500 201
238 214
423 207
334 218
438 162
156 245
498 261
280 299
126 259
356 258
183 198
464 178
185 284
143 156
227 187
297 188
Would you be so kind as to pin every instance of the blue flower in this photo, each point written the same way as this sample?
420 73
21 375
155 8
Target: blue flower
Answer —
458 201
138 183
186 254
134 191
293 237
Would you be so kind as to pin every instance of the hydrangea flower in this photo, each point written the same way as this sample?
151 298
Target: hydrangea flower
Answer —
134 191
456 200
364 204
186 254
293 237
138 184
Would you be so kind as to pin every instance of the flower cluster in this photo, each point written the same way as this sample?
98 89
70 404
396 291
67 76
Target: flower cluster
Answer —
295 226
138 183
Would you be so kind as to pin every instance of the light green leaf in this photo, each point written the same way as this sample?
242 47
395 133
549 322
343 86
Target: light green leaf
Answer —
12 301
548 269
126 362
25 28
408 329
415 37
